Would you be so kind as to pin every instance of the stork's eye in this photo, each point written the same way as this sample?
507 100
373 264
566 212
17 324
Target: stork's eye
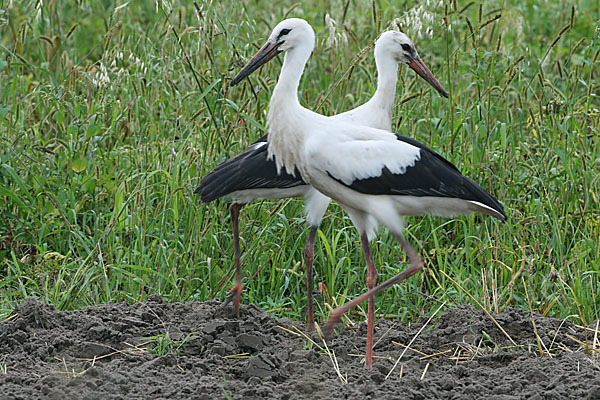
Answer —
405 47
284 32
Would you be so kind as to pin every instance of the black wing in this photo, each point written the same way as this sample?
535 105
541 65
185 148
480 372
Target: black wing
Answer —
432 175
248 170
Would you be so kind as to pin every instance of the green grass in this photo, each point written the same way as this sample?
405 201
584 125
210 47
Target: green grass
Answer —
108 122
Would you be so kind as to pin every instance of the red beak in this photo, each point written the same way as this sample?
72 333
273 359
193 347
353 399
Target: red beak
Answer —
420 68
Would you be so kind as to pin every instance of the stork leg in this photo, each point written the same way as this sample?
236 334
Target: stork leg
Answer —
235 293
416 263
309 257
371 282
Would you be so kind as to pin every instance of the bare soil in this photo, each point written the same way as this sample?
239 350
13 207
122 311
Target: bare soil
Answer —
103 353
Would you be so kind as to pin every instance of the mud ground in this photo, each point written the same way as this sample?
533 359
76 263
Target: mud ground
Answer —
157 350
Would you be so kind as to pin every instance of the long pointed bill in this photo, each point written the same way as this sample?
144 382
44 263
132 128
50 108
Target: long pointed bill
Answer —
262 56
420 68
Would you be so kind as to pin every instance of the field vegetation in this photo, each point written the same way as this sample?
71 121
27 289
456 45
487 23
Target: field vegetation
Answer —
112 111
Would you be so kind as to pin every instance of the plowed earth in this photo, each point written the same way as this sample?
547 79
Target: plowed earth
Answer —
158 350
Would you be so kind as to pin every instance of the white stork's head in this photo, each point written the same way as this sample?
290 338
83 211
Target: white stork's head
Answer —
399 47
396 44
292 33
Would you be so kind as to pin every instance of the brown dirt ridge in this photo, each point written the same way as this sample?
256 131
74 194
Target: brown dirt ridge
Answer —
202 352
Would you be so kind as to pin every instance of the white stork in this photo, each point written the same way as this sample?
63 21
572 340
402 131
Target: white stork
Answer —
371 173
250 176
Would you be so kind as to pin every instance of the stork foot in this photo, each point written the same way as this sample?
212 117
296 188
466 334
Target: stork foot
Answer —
235 296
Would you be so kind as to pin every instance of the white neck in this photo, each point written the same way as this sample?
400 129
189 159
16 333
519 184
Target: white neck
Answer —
387 78
377 112
284 120
286 89
382 102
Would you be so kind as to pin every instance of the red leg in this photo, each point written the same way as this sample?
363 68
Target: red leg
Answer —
309 257
235 293
416 263
371 282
